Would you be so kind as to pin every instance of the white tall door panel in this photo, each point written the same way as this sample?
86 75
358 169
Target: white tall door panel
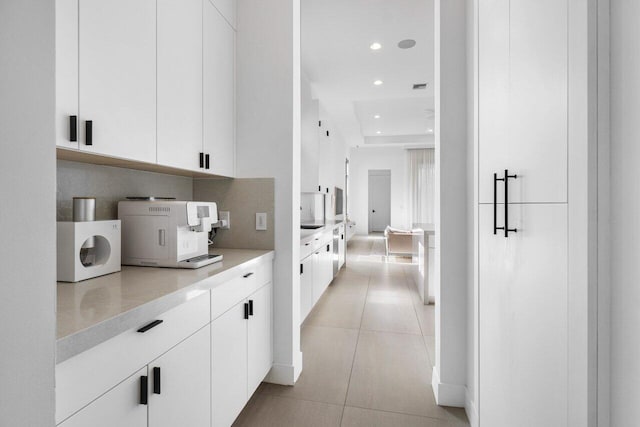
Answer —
66 71
260 356
118 77
184 397
379 200
228 366
180 83
523 67
120 407
219 91
523 317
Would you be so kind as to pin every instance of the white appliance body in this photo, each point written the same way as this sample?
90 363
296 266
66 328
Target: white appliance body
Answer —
106 252
167 233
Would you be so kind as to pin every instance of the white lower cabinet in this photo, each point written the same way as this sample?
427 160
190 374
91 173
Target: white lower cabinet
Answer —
120 407
229 365
306 287
242 354
260 340
202 362
179 385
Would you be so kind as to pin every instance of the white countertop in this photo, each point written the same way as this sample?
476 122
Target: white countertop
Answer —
307 235
92 311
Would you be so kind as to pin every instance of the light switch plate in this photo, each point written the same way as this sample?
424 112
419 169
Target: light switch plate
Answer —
261 221
225 216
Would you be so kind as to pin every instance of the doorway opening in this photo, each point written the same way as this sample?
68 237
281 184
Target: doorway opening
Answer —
379 200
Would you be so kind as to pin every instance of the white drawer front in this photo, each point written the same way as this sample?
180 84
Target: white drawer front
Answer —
228 294
88 375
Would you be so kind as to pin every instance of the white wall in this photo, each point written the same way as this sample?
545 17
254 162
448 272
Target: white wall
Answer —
625 213
360 162
27 216
450 371
268 145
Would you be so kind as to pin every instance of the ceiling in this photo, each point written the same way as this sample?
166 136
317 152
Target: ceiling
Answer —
337 60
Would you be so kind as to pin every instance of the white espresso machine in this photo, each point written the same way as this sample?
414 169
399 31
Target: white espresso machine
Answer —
167 233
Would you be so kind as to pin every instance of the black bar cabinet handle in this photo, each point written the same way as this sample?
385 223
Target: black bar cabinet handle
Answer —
151 325
246 310
156 380
250 307
506 203
328 248
144 390
206 161
89 132
201 160
73 128
495 203
301 268
248 275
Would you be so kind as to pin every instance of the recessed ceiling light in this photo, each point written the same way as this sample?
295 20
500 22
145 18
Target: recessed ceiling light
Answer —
429 130
406 44
377 82
378 132
377 116
375 46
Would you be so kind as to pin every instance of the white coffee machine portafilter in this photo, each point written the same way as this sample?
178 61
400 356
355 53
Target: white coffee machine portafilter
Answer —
167 233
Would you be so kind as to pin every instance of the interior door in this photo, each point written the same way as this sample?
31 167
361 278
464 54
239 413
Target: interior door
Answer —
120 407
180 386
379 200
180 83
118 78
523 317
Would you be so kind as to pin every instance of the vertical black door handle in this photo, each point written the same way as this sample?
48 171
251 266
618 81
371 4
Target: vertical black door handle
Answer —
89 132
250 307
201 160
301 268
506 203
73 128
495 203
156 380
206 161
144 390
246 310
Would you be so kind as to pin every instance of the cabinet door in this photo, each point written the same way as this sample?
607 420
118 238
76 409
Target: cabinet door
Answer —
306 288
120 407
327 264
523 317
228 366
523 105
180 384
219 91
180 83
260 355
118 77
318 276
66 71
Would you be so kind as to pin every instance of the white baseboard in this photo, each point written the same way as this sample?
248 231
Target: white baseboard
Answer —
285 374
470 409
447 394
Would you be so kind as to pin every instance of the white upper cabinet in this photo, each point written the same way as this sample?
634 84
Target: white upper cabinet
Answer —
228 10
67 73
118 78
180 83
219 91
523 70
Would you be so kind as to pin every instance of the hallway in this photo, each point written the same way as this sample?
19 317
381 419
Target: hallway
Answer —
368 348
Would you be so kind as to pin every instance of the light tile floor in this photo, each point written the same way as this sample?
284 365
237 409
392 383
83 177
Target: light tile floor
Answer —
368 354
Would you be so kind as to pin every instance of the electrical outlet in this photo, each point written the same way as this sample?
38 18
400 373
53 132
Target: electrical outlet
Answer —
225 216
261 221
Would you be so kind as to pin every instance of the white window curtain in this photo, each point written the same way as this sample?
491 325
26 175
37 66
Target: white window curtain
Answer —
422 189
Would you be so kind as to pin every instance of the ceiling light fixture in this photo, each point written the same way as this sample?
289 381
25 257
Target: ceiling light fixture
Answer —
378 132
406 44
375 46
377 82
429 130
377 116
